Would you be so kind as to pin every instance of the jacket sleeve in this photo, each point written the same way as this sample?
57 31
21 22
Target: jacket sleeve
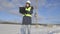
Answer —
30 12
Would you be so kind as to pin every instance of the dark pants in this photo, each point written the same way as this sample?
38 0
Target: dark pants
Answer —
26 20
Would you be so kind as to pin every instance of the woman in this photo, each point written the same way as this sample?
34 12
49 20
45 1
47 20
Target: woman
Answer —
27 18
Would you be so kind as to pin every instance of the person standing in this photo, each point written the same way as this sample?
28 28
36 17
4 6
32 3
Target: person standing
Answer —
27 18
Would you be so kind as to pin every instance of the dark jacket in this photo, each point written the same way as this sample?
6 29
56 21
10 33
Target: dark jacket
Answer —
23 11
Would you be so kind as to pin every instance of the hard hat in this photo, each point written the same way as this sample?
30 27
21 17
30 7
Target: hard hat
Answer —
28 2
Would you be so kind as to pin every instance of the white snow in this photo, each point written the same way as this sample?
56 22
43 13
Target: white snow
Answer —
16 29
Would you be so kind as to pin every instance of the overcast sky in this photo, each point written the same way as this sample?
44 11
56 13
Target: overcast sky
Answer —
48 10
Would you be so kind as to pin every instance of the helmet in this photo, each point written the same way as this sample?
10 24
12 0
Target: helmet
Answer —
28 2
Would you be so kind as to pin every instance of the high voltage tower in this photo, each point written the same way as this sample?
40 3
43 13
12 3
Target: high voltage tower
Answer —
36 12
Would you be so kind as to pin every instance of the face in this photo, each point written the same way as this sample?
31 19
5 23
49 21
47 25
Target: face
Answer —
27 5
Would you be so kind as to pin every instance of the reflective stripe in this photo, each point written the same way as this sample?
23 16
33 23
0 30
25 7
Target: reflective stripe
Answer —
28 9
27 15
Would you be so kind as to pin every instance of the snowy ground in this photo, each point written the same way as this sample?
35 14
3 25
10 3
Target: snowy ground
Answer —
16 29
